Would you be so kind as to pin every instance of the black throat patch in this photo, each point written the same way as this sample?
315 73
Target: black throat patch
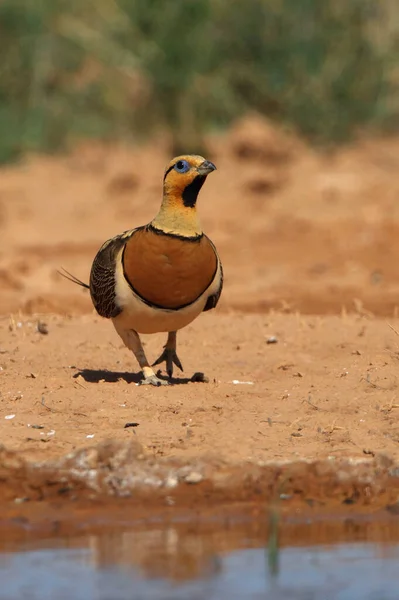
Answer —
191 192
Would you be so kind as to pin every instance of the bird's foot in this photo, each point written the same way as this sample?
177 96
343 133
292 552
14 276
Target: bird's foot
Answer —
153 380
170 357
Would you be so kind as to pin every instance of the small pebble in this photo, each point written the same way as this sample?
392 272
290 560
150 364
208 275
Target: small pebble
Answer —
272 340
90 436
8 417
42 328
171 481
193 477
199 378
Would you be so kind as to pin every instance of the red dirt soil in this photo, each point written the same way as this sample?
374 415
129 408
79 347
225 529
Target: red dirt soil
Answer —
327 387
310 246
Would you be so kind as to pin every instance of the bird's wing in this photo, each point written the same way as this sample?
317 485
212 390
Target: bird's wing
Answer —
103 276
214 298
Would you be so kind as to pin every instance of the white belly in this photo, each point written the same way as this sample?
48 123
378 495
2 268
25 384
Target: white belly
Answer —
145 319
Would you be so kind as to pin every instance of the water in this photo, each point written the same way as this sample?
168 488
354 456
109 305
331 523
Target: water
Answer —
220 564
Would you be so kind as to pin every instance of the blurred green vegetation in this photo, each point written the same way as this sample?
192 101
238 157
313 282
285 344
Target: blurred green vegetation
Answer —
125 68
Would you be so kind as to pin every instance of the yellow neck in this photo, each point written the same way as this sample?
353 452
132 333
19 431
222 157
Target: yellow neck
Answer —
174 217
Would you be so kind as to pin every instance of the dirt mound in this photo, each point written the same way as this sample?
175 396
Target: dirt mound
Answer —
255 138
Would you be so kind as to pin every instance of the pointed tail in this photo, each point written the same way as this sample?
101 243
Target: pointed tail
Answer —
72 278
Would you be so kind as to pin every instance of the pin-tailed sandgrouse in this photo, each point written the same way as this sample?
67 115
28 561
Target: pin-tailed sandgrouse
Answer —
161 276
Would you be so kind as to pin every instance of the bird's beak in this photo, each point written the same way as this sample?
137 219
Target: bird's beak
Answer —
206 167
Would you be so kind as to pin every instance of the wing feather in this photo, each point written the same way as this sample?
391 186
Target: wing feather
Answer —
103 273
214 298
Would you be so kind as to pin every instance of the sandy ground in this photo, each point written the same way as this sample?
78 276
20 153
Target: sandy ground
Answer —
309 243
327 387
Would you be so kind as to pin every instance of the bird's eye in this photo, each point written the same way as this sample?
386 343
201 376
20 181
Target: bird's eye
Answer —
182 166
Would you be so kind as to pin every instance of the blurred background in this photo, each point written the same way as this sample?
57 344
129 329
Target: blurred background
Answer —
297 102
122 69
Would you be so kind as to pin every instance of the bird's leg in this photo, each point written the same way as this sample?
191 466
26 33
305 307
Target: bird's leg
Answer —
169 355
132 340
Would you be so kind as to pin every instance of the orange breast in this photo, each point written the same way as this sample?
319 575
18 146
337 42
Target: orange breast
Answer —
168 271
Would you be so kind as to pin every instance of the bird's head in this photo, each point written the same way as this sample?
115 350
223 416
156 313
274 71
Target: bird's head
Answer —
184 177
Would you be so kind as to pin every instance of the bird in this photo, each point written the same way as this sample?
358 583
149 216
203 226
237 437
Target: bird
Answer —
161 276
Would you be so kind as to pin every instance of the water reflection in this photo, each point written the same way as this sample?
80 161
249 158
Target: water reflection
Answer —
158 553
188 550
340 560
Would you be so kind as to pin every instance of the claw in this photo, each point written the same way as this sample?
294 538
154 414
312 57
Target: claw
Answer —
170 357
153 380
